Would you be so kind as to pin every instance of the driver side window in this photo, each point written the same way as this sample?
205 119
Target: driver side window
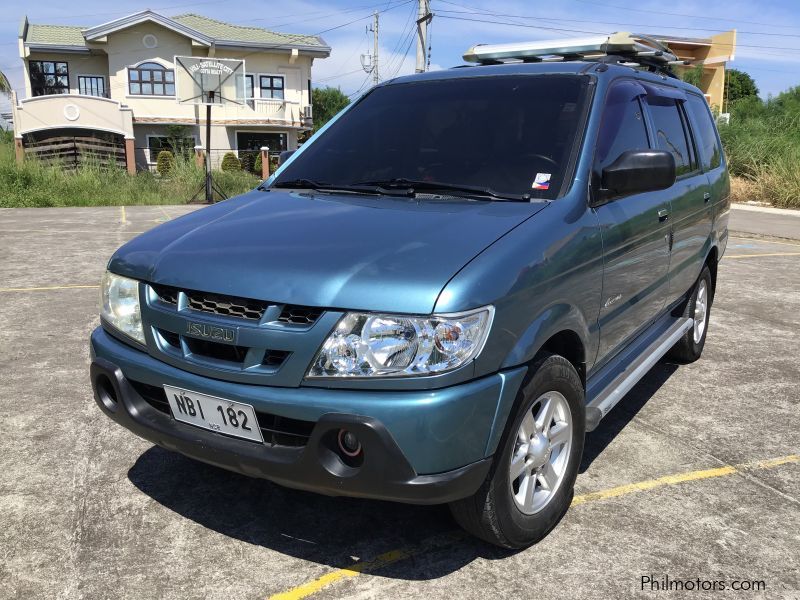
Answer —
622 127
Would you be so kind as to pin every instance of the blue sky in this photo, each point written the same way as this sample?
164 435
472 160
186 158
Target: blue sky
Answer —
768 31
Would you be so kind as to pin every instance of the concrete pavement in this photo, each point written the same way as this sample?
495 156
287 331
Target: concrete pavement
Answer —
696 474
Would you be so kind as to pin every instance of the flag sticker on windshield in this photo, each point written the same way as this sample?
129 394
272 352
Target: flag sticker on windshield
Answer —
541 182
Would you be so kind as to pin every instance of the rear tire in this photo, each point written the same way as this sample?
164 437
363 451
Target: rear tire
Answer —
690 346
530 485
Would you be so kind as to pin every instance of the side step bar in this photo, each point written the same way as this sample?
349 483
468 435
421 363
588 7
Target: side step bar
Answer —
611 384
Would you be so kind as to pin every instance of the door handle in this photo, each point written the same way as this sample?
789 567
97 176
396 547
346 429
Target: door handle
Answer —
663 214
706 196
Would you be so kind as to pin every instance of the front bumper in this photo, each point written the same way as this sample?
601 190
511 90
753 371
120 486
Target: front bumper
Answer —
456 428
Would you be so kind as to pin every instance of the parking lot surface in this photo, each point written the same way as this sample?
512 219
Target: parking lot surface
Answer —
695 474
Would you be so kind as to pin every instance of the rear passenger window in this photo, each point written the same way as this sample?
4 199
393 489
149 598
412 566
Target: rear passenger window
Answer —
670 133
705 132
622 127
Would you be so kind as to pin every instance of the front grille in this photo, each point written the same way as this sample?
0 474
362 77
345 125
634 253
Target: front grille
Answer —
166 294
228 306
234 306
207 349
236 355
276 430
275 358
299 315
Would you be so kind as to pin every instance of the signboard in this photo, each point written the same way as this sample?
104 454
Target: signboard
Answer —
212 81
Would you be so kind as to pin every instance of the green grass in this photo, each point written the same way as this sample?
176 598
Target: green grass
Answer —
35 184
762 143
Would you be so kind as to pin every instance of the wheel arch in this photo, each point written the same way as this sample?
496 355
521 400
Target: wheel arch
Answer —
712 262
566 336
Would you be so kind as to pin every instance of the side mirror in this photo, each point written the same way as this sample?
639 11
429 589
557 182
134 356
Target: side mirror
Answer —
637 171
284 156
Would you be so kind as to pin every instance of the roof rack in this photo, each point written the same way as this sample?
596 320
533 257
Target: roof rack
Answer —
618 48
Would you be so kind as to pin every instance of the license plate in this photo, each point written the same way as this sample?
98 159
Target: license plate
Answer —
216 414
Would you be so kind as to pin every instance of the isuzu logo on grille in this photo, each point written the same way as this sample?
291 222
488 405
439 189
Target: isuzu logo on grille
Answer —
212 332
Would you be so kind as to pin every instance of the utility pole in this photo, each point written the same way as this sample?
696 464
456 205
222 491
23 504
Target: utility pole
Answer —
375 74
424 17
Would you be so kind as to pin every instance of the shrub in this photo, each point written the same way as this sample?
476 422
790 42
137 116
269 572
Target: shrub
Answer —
230 163
258 165
165 163
763 147
248 160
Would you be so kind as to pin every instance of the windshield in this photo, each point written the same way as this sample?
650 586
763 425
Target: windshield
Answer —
510 134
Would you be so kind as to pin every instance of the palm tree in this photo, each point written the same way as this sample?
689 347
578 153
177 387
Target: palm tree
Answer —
5 86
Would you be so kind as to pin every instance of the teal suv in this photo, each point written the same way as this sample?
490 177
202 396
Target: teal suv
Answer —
436 297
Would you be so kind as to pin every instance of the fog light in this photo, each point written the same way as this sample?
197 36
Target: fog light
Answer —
348 443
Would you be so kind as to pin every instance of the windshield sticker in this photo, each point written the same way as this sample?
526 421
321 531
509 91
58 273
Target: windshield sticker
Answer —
541 182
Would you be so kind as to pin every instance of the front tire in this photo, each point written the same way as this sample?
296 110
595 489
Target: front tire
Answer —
690 346
530 484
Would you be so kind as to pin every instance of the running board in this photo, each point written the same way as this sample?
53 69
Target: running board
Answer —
611 384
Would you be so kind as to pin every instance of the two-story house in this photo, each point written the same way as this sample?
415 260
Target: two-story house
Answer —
114 85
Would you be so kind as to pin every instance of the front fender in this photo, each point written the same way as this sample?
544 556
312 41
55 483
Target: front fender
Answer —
555 319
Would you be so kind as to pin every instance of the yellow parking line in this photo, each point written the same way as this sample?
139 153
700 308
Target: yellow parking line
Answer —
67 231
164 212
758 255
123 218
393 556
52 287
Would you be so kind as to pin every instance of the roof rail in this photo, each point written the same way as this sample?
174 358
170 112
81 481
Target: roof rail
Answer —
620 47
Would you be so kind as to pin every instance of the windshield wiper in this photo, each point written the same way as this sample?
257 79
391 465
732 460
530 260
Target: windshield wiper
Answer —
413 185
336 188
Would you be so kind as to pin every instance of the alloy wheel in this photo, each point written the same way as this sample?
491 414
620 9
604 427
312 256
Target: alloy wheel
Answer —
541 452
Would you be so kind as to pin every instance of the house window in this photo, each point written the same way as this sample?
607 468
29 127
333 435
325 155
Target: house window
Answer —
255 140
151 79
179 146
271 86
90 85
248 90
48 77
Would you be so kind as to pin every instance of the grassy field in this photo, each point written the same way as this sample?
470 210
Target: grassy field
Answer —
35 184
762 143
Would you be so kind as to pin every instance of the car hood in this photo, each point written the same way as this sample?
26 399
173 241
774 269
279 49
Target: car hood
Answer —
316 249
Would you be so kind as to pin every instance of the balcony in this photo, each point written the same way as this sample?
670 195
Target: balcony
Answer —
270 111
71 111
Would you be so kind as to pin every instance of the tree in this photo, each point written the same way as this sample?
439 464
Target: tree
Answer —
693 75
5 85
738 85
326 102
165 163
180 142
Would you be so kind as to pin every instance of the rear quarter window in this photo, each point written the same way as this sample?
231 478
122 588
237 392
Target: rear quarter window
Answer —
705 132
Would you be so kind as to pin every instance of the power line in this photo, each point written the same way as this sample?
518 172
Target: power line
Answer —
661 13
563 20
544 28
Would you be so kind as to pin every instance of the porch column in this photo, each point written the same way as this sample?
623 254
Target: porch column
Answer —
19 150
130 156
199 157
264 162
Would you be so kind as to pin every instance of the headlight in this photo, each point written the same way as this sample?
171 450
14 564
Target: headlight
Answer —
372 345
119 305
